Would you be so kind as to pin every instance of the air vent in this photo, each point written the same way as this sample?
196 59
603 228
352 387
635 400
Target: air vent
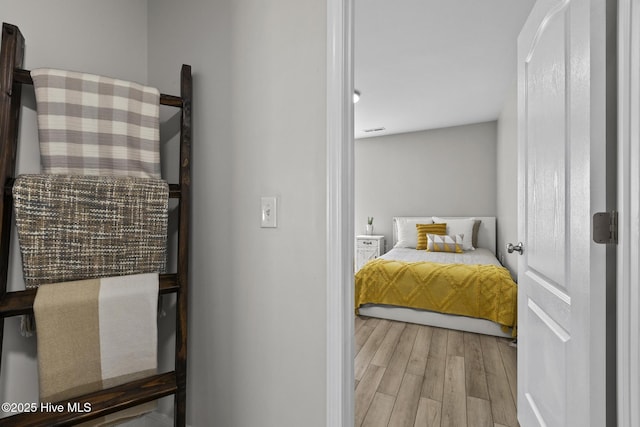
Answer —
374 130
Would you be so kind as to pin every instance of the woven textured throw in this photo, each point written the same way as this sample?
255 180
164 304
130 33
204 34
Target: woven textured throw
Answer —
79 227
95 125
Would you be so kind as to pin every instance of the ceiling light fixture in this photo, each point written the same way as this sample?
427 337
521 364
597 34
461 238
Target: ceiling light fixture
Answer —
356 96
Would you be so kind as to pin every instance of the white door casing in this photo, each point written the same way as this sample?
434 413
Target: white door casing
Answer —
340 217
561 160
628 346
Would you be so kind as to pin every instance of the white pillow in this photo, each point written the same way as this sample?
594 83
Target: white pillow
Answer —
407 232
462 226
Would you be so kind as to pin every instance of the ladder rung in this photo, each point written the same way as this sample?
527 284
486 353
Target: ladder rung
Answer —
21 302
174 189
102 402
24 77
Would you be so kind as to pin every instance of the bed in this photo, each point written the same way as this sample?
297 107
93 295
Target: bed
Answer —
468 291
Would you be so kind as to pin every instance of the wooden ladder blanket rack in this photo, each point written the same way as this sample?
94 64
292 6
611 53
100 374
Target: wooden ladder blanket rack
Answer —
111 400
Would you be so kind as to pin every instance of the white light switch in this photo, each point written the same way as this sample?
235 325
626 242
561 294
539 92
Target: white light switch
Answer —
269 212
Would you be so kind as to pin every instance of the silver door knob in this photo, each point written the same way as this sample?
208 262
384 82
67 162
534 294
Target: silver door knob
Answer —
518 248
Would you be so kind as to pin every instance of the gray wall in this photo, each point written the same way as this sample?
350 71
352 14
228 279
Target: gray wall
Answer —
88 35
448 172
507 188
258 322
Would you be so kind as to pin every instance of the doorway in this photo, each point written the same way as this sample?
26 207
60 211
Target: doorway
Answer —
400 169
340 369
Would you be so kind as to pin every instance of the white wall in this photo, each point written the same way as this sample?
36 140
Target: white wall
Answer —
257 337
449 171
88 35
507 180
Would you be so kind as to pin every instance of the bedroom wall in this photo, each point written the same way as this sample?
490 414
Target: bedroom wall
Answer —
448 172
507 181
90 35
257 337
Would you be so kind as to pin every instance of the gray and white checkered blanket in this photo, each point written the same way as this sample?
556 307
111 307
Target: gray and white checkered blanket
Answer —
95 125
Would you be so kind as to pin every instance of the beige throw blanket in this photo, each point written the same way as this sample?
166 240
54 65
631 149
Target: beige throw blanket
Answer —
95 334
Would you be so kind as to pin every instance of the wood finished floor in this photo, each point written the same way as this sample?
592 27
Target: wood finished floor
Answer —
414 375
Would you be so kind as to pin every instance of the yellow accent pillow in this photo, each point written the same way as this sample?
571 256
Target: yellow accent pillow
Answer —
438 243
424 229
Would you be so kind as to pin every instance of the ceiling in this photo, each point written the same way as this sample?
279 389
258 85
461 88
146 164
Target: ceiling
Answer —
426 64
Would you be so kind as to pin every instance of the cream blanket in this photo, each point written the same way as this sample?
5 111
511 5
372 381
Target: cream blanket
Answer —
95 334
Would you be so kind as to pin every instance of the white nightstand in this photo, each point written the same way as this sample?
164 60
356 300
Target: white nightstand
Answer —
368 248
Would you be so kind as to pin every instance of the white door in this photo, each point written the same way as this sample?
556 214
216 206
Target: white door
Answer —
561 272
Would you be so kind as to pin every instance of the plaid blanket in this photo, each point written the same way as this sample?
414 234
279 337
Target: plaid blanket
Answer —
94 125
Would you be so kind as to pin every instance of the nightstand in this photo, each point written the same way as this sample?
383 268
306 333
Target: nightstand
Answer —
368 248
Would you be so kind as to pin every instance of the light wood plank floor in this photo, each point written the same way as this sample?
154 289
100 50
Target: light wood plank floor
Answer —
414 375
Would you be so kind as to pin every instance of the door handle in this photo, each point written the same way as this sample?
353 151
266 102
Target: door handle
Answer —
518 248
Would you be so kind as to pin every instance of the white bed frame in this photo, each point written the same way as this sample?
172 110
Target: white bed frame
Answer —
486 239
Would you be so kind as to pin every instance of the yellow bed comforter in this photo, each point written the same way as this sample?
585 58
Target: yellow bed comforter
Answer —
481 291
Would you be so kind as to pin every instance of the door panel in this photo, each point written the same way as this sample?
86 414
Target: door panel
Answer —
545 81
546 394
561 303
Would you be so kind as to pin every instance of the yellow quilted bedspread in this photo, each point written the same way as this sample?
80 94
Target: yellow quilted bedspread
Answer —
482 291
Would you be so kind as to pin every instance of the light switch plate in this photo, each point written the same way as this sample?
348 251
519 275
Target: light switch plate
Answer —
268 212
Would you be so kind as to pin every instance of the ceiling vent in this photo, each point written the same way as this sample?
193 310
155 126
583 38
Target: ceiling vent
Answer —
374 130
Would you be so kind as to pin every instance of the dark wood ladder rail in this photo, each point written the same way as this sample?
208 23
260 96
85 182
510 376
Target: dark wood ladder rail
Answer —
124 396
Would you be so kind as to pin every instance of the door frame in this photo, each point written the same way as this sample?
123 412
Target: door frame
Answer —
628 250
340 215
